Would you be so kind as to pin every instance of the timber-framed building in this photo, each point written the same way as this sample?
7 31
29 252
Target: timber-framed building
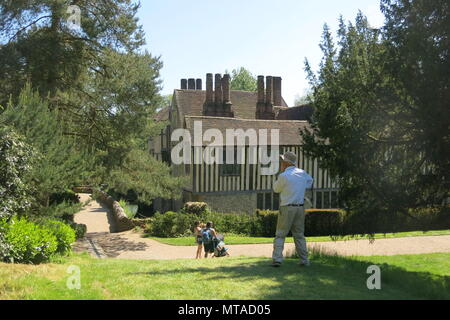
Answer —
239 186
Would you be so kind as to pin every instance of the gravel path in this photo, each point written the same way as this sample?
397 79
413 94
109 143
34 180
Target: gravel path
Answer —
130 245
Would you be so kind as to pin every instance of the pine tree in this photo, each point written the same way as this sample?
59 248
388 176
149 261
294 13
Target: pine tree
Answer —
58 163
369 127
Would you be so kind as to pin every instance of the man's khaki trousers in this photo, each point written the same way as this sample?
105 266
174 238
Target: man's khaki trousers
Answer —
290 219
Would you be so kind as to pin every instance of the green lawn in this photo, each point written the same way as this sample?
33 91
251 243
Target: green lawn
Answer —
402 277
234 239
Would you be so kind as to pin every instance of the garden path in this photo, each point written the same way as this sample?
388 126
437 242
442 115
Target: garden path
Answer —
101 242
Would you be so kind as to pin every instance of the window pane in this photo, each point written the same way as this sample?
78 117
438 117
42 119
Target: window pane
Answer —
268 201
276 201
319 200
334 201
260 201
326 199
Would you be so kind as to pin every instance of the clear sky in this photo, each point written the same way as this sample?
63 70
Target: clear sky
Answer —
268 37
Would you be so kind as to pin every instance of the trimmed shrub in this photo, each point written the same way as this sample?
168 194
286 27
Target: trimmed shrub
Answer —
64 234
198 208
242 224
27 242
323 222
423 219
171 224
318 222
79 229
268 220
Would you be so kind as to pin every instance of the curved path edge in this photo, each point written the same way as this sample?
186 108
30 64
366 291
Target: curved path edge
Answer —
131 244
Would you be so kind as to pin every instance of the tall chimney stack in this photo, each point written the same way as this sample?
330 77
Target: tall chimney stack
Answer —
264 106
208 106
191 84
226 88
261 96
227 107
218 89
218 102
209 88
183 84
198 84
269 90
277 99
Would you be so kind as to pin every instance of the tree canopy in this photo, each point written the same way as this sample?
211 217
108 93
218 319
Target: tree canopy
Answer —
102 84
381 122
242 79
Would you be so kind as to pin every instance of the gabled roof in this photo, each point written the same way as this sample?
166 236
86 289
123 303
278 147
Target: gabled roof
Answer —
304 112
163 114
190 103
289 130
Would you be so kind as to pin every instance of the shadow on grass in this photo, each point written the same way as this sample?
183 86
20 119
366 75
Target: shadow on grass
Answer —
329 277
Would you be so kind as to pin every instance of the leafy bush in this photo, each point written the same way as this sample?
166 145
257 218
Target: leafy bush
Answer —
64 234
63 211
323 222
27 242
176 224
67 196
171 224
130 210
16 161
268 220
243 224
195 207
425 219
318 222
80 229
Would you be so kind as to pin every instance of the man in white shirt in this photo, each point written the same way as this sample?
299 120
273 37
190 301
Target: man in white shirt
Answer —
291 185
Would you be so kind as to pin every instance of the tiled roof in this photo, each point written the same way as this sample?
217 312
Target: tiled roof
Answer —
163 114
190 103
288 129
295 113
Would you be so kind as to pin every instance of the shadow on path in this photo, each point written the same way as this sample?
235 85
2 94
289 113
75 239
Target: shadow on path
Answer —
115 244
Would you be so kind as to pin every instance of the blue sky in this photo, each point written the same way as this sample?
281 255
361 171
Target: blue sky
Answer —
268 37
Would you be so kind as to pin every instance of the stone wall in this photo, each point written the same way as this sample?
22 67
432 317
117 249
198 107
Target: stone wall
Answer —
121 221
232 202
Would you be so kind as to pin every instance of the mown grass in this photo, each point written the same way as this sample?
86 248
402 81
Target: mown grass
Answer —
329 277
236 239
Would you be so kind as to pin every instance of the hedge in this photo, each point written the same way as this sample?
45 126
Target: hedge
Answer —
318 222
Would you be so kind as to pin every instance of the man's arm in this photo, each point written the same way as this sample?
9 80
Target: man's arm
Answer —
309 181
279 184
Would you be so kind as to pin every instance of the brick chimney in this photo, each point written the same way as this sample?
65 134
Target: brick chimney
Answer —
277 99
264 106
191 84
218 102
184 84
269 90
227 107
198 84
208 106
218 94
